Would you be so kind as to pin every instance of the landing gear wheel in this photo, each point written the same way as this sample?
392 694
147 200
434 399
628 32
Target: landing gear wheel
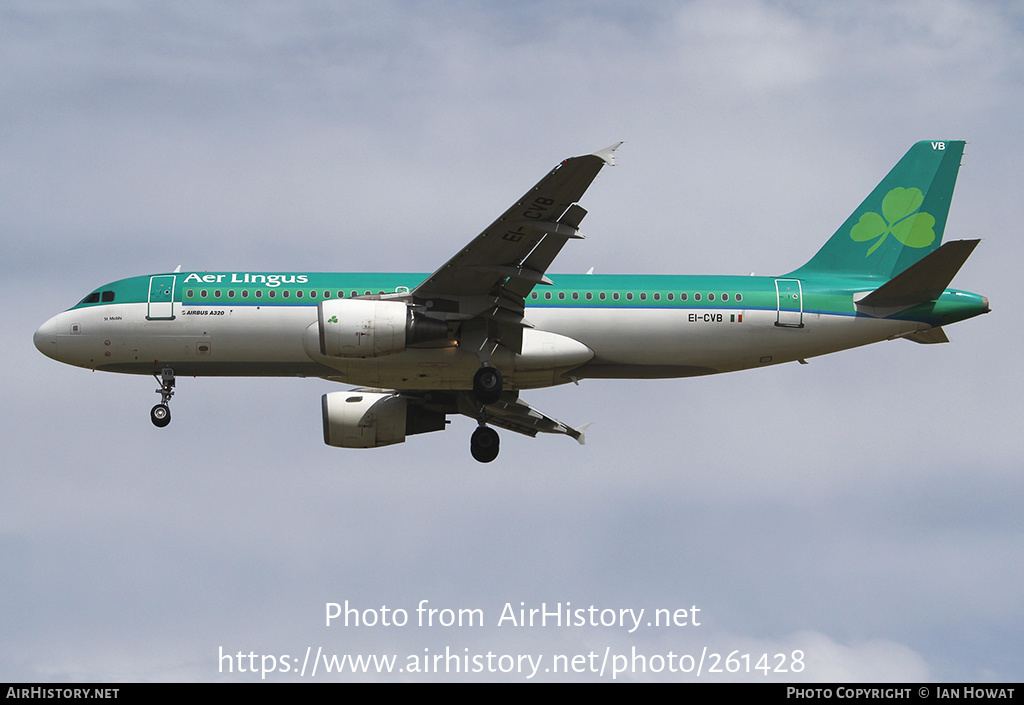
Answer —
487 385
160 415
484 444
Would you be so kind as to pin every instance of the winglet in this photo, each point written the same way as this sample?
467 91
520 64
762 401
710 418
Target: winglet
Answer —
578 431
608 153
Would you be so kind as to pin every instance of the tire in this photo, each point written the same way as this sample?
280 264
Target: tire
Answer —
487 385
160 415
484 444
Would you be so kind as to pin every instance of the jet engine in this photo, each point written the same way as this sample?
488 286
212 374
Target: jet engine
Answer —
370 328
369 419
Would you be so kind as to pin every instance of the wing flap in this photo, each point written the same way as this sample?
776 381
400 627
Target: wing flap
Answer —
522 418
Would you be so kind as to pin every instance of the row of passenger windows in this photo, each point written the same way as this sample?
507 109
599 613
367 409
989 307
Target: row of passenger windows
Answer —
561 296
656 296
272 294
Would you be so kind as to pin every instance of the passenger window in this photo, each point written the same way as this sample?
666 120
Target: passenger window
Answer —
259 293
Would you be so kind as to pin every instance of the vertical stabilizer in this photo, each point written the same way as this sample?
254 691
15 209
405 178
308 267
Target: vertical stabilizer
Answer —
901 221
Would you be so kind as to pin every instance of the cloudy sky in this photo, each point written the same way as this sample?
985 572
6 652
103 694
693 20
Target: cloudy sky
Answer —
863 510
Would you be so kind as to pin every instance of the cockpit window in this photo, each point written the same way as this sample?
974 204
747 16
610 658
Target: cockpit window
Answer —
96 296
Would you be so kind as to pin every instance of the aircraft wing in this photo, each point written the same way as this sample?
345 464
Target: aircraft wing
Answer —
491 277
522 418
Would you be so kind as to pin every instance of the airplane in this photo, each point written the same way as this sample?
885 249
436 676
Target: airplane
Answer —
491 322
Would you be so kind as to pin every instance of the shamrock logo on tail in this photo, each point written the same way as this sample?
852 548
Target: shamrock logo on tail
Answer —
900 218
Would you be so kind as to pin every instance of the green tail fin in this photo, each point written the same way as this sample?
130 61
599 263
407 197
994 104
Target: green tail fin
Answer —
901 221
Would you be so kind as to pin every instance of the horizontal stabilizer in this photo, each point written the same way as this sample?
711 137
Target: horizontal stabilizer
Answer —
924 280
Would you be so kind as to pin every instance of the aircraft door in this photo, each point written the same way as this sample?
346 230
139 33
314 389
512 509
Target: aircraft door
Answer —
161 298
791 303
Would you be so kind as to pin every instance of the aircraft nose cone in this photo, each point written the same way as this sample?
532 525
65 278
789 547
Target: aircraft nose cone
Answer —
45 338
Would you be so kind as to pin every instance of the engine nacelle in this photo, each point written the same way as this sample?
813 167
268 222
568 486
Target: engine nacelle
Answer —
362 328
363 419
370 328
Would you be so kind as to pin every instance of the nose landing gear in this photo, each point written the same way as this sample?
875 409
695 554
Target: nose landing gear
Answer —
160 414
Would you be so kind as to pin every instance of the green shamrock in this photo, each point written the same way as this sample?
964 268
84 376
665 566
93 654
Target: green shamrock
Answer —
900 218
332 319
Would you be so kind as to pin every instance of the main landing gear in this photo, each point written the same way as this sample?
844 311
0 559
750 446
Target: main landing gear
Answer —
484 444
487 387
487 384
160 414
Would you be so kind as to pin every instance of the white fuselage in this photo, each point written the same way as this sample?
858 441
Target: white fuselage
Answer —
566 343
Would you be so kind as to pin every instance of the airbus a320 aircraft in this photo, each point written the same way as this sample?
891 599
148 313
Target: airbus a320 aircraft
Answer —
491 322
